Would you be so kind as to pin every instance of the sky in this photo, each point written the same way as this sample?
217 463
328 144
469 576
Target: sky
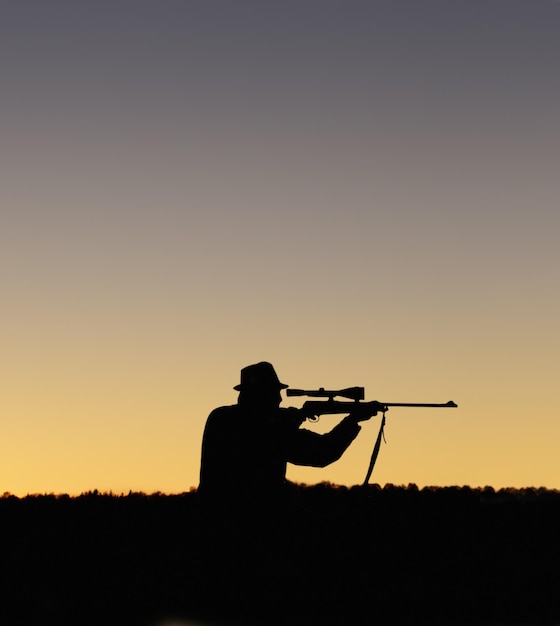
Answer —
360 192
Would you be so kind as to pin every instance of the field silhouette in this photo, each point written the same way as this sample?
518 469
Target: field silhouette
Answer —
324 554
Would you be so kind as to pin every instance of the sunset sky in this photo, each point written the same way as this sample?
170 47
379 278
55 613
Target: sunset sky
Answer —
362 192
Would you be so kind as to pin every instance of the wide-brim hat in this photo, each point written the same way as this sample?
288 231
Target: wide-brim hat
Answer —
259 376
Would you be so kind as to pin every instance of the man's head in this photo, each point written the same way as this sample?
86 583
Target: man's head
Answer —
260 386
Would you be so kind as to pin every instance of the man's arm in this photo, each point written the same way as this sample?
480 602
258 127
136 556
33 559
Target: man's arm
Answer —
316 450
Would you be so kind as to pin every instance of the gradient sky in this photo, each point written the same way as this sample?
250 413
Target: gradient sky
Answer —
361 192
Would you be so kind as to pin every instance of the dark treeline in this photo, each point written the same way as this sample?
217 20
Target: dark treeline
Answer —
324 555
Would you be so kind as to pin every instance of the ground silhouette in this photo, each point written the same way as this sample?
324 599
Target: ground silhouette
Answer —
323 555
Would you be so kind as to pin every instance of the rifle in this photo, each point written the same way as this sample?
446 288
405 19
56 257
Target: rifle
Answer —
312 409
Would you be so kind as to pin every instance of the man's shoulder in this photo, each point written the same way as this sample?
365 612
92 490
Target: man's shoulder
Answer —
224 412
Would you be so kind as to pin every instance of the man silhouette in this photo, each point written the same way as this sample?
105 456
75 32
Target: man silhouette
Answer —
246 447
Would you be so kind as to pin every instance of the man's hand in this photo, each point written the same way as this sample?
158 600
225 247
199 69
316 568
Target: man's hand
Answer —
363 412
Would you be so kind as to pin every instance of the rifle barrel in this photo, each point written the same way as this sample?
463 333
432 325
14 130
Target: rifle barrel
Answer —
449 404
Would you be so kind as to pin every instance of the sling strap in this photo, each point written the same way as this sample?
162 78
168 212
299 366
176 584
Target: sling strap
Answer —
375 452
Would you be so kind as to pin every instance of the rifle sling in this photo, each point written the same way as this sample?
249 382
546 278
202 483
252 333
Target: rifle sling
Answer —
375 452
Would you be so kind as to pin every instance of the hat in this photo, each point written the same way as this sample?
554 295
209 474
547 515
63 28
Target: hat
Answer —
259 375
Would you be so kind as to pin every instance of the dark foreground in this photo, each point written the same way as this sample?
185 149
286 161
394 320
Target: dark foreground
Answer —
326 555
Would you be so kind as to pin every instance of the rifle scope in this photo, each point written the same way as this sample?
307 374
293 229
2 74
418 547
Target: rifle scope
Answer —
352 393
